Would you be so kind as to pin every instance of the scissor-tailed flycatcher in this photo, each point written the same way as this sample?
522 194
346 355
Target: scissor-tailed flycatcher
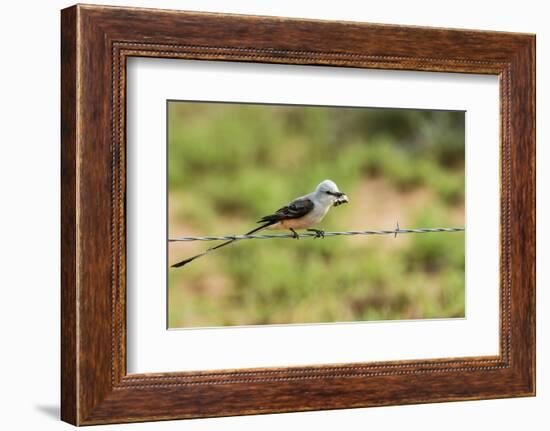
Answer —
301 213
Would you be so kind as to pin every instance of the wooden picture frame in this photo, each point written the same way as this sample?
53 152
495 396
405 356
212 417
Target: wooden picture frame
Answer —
95 43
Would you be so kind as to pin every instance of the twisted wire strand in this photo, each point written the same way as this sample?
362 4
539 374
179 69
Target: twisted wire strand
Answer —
393 232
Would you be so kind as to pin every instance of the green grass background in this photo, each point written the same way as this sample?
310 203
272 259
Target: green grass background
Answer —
230 164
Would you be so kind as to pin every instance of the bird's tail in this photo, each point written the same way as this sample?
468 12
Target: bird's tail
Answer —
223 244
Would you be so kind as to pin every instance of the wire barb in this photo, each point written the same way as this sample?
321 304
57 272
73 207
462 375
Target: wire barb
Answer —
393 232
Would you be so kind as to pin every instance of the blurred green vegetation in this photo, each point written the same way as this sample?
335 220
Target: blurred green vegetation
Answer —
230 164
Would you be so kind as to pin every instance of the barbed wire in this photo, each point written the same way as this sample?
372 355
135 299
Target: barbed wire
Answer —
393 232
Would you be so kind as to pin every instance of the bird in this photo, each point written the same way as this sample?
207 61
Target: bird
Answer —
301 213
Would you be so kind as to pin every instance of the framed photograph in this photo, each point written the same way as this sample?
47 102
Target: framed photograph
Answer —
263 214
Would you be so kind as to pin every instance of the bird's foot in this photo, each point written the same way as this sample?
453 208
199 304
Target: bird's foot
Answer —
318 233
294 234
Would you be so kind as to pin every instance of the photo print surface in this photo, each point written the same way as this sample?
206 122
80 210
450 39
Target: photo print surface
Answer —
297 174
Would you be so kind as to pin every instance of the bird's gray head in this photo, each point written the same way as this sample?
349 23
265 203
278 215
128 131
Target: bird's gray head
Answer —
327 191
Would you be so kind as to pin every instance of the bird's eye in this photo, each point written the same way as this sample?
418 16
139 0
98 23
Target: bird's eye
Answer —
328 192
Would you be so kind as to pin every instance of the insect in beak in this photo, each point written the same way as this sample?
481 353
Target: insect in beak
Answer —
342 199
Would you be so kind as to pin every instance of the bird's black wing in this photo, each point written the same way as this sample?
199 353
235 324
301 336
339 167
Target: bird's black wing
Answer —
296 209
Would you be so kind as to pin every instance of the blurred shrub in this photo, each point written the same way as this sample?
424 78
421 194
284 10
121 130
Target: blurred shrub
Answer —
432 252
